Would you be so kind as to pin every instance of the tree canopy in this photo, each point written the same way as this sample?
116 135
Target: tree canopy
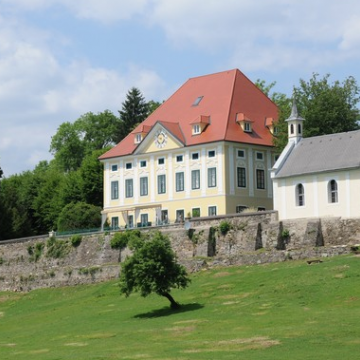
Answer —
153 268
327 107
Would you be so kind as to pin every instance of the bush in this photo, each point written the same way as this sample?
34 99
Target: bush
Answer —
224 227
76 240
57 248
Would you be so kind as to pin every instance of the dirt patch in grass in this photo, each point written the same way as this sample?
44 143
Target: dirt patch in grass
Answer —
40 351
76 344
181 329
194 321
7 345
221 274
97 336
254 343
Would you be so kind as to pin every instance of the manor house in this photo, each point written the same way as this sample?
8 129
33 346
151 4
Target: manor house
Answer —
205 151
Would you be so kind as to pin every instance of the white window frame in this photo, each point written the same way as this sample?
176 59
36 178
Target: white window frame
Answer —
195 179
114 190
161 184
144 186
212 177
179 181
129 188
300 195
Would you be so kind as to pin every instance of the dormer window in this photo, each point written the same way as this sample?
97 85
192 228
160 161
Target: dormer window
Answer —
138 138
244 122
270 123
199 124
247 126
196 129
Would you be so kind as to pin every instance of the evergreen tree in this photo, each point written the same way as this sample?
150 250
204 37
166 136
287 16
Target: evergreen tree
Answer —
134 110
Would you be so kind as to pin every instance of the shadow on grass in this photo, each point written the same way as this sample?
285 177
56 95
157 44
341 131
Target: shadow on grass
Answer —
167 311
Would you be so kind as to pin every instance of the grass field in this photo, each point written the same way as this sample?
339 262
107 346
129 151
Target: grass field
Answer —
278 311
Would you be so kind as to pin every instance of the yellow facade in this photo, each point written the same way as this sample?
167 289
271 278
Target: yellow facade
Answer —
169 182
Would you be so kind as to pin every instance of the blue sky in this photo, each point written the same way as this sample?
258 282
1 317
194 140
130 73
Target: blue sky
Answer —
62 58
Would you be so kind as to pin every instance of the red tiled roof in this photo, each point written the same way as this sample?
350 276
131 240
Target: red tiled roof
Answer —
224 96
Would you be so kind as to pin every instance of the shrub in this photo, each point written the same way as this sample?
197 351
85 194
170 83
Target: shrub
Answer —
57 248
76 240
224 227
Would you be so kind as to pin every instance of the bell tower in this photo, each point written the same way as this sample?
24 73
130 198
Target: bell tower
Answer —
295 124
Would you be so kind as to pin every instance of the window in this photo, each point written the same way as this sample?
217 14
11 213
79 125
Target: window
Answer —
197 101
332 191
164 217
212 177
260 179
259 155
179 158
300 195
161 184
179 216
291 128
161 161
195 156
143 163
137 138
195 212
128 166
115 222
299 128
131 221
240 208
129 188
114 190
261 208
179 181
211 153
247 127
241 177
196 129
143 186
144 218
114 167
241 154
195 179
212 211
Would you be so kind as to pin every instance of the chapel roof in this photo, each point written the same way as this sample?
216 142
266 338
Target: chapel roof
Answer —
322 154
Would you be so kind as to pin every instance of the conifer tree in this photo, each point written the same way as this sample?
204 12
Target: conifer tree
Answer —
134 110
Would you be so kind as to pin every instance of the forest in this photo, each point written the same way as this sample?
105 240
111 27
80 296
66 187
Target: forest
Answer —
66 193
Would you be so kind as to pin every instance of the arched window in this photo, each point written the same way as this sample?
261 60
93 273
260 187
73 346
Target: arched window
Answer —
299 128
332 191
291 128
300 195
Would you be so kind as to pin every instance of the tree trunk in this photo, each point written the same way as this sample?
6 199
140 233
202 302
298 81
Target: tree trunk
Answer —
173 303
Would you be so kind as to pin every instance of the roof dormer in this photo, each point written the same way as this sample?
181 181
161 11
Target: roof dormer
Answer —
140 133
270 123
199 124
244 122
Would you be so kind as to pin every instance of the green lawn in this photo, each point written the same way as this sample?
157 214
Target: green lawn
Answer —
277 311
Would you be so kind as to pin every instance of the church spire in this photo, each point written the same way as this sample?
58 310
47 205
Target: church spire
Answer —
295 126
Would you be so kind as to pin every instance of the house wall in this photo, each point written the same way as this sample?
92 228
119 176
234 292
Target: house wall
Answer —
225 196
316 195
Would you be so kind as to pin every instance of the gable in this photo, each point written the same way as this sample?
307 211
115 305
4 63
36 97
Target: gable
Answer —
158 139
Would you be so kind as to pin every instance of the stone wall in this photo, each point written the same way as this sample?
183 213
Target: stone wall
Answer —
252 239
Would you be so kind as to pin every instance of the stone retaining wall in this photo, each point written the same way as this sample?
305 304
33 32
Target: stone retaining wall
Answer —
252 239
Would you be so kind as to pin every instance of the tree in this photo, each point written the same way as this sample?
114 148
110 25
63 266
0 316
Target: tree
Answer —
134 111
97 130
121 240
328 108
67 147
152 268
79 216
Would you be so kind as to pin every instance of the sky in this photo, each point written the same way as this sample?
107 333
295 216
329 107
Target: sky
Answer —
60 59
